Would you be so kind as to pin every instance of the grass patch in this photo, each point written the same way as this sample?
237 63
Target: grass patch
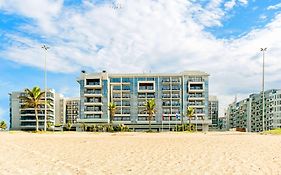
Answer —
273 132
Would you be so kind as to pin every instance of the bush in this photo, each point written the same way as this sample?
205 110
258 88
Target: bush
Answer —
121 128
185 127
108 128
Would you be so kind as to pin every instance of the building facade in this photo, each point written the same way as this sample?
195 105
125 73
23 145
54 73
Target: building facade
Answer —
172 94
248 112
213 111
72 106
22 118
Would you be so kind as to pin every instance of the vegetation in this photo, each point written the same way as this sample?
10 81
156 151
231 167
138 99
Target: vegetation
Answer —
274 131
150 109
33 100
3 125
83 126
185 127
112 110
190 113
109 128
49 125
69 126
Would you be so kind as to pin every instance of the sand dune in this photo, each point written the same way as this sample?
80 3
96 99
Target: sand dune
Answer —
139 153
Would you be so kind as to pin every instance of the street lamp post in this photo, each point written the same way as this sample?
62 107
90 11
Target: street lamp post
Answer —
263 50
45 84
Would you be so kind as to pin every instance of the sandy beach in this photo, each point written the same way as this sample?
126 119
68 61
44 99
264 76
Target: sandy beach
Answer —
139 153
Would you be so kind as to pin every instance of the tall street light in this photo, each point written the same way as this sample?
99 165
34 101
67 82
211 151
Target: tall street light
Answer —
263 50
45 48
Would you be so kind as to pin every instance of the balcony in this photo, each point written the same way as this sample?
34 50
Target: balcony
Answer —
126 104
166 88
175 81
93 83
166 96
166 103
150 96
92 93
166 80
146 86
175 95
116 96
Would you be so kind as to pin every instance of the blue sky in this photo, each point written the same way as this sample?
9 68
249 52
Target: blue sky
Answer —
221 37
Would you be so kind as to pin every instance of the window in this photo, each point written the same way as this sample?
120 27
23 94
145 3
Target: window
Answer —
115 80
126 80
146 86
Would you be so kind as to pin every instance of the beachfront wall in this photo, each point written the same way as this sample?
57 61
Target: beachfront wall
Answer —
173 93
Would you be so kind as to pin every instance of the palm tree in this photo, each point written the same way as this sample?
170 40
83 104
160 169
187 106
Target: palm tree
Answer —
150 109
33 100
189 113
112 110
3 125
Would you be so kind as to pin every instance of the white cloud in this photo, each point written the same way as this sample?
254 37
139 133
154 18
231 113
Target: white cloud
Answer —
162 36
244 2
42 11
230 4
274 7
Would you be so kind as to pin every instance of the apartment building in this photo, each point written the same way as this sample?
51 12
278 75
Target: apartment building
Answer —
22 118
172 94
213 111
72 106
247 113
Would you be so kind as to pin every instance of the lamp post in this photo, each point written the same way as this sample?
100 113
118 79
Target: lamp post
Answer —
45 84
263 50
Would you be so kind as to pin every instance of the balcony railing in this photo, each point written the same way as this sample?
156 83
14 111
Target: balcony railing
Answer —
92 92
93 83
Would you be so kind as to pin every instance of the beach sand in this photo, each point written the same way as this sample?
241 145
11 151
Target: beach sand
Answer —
139 153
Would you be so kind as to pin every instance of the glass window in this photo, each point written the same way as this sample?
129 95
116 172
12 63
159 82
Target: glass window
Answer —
126 80
115 80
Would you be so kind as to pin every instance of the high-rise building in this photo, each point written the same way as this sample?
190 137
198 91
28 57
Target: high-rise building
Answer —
22 118
213 111
173 93
247 113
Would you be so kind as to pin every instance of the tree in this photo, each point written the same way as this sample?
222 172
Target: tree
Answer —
189 113
69 125
3 125
49 124
112 110
150 109
33 99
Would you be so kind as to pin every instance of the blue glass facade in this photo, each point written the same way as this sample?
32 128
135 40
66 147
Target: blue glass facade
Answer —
172 93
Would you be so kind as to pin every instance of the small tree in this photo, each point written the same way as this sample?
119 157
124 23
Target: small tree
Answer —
112 110
49 125
69 125
3 125
150 109
189 113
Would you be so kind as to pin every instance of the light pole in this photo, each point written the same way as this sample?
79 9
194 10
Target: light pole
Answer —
263 50
45 84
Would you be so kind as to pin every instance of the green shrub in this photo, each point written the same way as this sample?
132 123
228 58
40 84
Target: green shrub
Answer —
185 127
